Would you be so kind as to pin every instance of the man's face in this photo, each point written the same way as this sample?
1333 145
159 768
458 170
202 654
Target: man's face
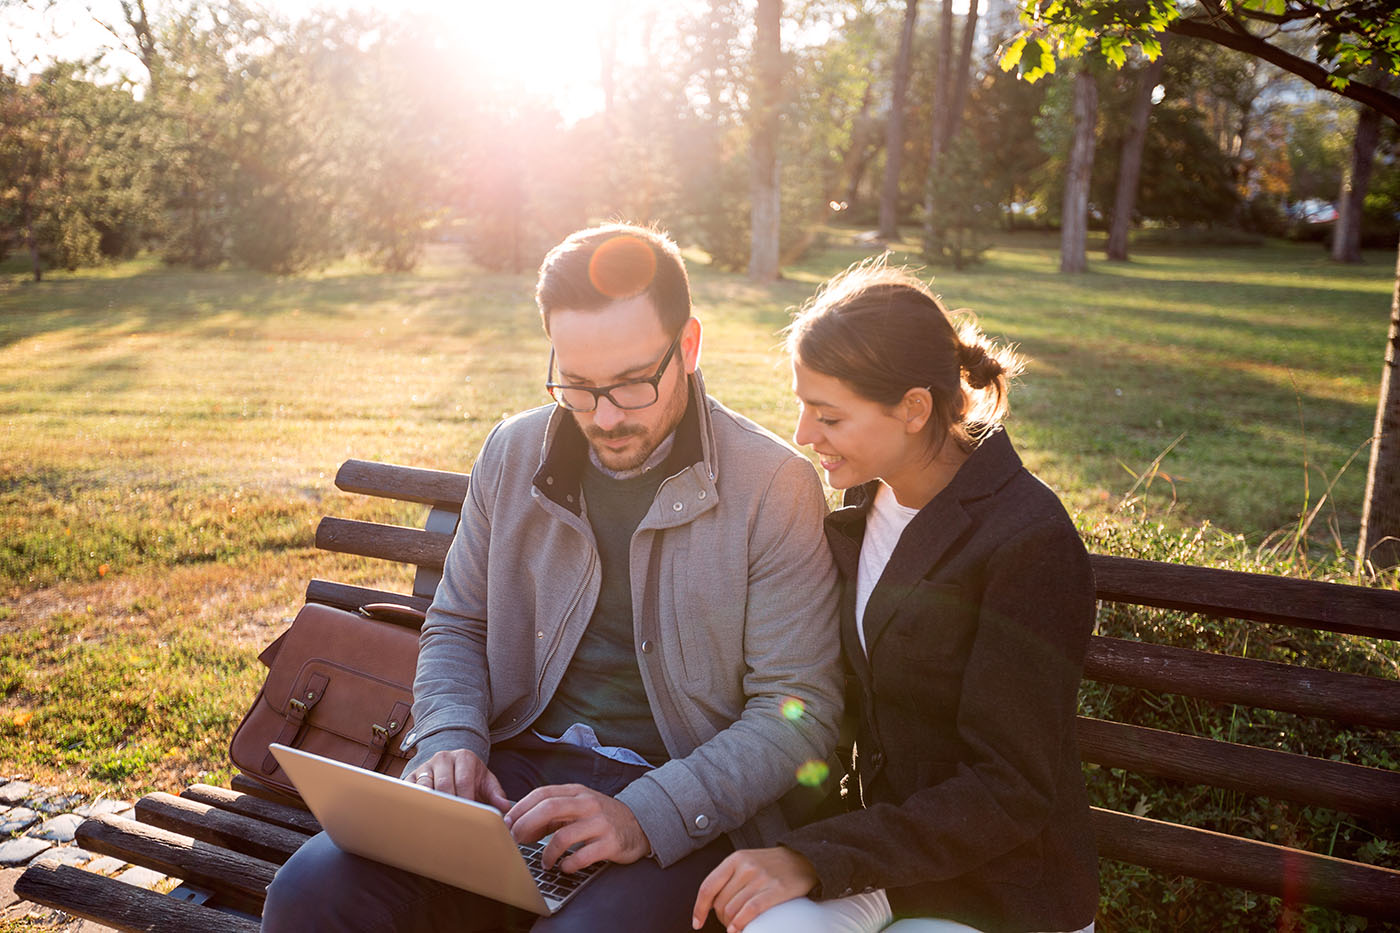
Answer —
622 342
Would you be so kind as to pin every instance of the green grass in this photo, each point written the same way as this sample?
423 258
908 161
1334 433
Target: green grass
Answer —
171 438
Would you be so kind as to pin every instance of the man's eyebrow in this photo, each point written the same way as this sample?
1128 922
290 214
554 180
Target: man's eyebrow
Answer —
642 370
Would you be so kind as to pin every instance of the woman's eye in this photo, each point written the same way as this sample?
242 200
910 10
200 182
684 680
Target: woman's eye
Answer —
828 422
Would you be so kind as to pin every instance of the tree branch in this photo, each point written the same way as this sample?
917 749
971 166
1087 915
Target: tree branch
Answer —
1388 104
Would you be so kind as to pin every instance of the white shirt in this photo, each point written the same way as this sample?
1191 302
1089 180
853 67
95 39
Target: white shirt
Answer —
883 526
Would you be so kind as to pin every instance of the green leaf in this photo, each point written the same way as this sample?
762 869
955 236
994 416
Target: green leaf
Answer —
1338 82
1152 48
1115 50
1012 55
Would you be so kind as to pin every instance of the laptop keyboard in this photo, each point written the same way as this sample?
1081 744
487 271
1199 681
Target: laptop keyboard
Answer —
555 884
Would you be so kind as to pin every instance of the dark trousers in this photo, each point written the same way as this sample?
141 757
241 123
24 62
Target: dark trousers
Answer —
322 887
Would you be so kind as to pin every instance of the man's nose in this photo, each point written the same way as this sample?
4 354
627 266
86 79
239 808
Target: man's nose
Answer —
607 415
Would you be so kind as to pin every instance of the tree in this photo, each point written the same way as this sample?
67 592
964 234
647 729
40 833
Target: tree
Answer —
1346 236
1130 161
894 126
766 202
1348 37
1074 218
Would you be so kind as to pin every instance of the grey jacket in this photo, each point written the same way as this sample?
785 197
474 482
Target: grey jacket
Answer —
734 602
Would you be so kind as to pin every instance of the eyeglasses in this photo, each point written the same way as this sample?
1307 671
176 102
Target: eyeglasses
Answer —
629 396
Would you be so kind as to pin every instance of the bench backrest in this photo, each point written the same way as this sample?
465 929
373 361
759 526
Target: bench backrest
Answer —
1372 794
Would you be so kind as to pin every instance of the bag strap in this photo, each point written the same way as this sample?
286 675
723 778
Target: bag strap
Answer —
298 706
381 734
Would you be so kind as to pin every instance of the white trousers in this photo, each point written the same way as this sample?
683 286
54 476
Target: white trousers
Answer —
859 913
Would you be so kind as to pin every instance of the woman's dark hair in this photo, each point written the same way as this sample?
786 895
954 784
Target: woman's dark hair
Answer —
593 268
882 332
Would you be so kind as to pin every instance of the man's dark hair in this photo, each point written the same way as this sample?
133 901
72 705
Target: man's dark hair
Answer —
593 268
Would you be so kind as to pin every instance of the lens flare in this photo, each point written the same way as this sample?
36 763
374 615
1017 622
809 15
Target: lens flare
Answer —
793 709
622 267
813 773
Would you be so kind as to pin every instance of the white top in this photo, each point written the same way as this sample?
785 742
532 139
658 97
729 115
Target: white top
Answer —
883 527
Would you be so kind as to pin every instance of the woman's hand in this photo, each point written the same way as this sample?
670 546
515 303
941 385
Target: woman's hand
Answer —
749 882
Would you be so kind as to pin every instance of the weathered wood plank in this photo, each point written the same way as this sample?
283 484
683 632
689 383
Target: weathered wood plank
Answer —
387 542
121 906
238 880
437 488
1302 877
1332 607
1370 792
229 830
243 784
1349 698
345 596
278 814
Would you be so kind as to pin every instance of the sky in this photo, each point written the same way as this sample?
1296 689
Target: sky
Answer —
547 47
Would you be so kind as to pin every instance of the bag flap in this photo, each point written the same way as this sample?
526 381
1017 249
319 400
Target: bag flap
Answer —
385 652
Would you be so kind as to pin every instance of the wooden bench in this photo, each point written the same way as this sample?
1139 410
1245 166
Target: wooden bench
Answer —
226 843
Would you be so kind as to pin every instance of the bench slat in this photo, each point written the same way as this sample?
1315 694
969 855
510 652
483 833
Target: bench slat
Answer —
1297 876
1332 607
267 811
346 596
387 542
229 830
437 488
1349 698
239 880
243 784
121 906
1358 789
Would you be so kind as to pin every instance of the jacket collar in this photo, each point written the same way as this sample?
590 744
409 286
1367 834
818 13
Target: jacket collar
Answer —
565 449
937 527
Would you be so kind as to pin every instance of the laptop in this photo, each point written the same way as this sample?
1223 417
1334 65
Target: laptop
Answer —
446 838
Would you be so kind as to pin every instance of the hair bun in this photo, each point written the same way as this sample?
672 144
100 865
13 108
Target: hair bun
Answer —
980 366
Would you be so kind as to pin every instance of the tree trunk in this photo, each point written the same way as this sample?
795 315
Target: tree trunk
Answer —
1130 164
31 240
1380 513
963 71
764 211
1074 220
938 139
1346 236
894 129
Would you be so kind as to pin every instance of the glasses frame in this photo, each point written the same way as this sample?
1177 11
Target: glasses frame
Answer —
556 389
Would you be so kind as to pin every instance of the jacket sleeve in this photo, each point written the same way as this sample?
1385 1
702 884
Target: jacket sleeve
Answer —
451 688
1016 714
792 682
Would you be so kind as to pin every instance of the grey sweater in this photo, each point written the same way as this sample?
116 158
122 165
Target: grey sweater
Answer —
734 603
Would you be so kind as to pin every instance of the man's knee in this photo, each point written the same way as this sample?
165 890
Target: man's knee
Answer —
321 887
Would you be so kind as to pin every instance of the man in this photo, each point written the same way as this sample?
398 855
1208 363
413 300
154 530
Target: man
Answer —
634 638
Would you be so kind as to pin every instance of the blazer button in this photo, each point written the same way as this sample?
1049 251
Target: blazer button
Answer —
877 760
646 647
702 822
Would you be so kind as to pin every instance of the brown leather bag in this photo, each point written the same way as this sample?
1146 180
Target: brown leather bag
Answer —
339 684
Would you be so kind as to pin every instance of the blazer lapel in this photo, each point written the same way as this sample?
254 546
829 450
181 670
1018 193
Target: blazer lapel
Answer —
921 547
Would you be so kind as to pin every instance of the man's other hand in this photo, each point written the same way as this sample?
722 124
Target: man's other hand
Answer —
462 774
602 828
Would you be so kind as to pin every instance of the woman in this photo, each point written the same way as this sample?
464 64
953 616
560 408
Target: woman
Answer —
967 606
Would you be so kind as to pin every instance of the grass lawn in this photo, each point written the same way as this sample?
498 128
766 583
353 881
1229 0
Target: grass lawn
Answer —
170 438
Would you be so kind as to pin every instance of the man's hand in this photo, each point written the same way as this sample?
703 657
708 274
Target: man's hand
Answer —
462 774
602 828
749 882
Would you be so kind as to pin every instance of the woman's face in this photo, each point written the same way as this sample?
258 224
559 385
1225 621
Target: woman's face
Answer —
857 440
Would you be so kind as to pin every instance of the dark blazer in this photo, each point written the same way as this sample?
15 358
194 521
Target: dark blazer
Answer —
966 762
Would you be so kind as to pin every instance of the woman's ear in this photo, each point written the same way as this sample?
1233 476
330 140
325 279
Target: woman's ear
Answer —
915 409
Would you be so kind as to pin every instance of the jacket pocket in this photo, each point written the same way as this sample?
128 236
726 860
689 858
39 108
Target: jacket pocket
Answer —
935 623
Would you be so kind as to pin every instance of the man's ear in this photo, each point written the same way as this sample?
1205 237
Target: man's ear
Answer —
915 409
690 344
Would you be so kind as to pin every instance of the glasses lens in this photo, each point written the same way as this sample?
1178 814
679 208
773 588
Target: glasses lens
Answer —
633 395
574 399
